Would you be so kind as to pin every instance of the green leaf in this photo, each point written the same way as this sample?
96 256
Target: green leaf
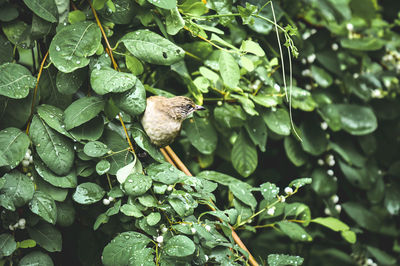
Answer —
323 78
7 245
82 110
46 9
362 216
105 80
358 177
294 231
153 218
179 246
8 13
314 138
134 65
269 191
91 130
182 202
6 53
88 193
230 116
95 149
55 150
15 81
323 184
56 193
363 44
101 219
122 247
166 4
355 119
229 70
65 213
294 151
69 83
257 131
303 100
103 167
54 118
332 223
132 101
143 141
131 210
174 21
137 184
221 178
67 181
116 143
381 256
244 155
36 258
282 259
76 16
246 103
201 134
142 257
152 48
15 31
72 45
13 145
243 194
299 182
209 74
99 4
392 199
278 121
44 206
27 243
47 236
250 46
17 190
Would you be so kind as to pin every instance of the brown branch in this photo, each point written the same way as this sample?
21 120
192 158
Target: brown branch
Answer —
181 166
109 51
35 92
166 156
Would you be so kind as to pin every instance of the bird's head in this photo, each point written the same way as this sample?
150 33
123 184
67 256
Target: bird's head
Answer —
180 107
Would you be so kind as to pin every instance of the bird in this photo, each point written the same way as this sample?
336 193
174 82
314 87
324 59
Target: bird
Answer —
163 117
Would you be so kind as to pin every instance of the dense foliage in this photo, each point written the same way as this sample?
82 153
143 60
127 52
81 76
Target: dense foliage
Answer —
318 79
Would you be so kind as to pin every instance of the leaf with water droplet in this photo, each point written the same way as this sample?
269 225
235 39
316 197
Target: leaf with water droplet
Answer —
88 193
43 205
17 190
47 236
13 145
15 81
55 150
179 246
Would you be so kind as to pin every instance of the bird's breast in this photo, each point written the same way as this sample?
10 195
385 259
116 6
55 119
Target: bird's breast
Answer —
160 128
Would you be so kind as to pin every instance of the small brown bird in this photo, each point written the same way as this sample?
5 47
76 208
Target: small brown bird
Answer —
163 117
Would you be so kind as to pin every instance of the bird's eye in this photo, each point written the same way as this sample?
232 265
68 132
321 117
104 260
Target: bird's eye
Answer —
189 107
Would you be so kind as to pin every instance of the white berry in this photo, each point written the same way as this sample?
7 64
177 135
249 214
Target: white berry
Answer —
106 201
25 163
208 228
160 239
288 190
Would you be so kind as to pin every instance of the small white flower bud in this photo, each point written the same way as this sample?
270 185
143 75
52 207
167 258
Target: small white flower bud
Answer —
208 228
349 27
160 239
320 162
308 87
306 72
324 126
277 87
170 187
111 198
193 230
25 163
21 222
282 199
327 211
271 211
356 75
27 155
331 162
335 46
311 58
304 61
288 190
206 257
219 103
335 199
164 229
330 172
338 208
30 159
11 227
106 202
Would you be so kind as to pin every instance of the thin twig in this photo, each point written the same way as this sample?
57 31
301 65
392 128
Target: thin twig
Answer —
35 92
167 157
181 166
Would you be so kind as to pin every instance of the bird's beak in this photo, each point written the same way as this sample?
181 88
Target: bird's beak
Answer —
199 108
